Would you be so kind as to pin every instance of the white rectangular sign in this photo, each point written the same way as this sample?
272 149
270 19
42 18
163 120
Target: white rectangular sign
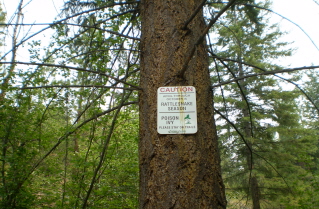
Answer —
176 110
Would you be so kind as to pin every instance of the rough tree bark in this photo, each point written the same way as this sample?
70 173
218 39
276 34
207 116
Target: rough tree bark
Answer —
176 171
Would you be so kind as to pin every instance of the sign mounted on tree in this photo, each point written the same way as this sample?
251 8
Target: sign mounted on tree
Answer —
176 110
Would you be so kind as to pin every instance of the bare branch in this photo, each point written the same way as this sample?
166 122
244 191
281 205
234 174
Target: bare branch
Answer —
213 21
202 37
109 31
14 52
269 10
76 86
65 19
240 134
73 68
73 24
242 92
273 72
194 14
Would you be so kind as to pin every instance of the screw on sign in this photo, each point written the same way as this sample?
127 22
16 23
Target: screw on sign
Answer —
176 110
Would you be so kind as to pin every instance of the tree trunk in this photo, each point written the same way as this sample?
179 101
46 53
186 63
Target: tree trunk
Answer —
176 171
254 191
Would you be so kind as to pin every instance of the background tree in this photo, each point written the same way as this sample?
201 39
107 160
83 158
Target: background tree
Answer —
262 117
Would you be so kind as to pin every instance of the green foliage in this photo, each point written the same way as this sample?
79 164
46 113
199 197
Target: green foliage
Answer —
67 171
60 143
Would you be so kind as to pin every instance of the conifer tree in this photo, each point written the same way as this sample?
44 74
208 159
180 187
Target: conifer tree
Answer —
261 115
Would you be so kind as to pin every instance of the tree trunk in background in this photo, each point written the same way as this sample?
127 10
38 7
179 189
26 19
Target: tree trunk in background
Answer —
176 171
254 191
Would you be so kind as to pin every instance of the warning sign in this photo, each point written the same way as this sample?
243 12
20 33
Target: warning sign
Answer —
176 110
